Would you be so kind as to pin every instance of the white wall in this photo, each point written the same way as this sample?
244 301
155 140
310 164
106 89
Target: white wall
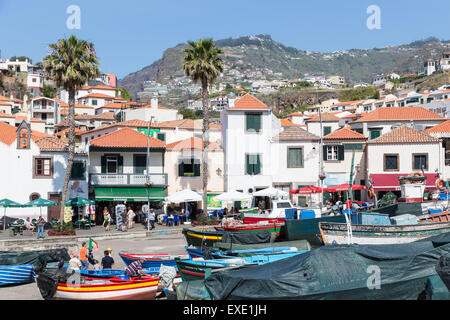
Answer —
314 127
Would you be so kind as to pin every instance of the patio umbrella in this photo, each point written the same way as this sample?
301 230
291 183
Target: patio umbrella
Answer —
184 196
345 187
270 192
233 196
40 203
79 202
6 203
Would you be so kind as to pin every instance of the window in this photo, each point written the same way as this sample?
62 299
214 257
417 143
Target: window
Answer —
253 122
375 134
78 171
44 116
111 164
140 163
252 164
420 161
326 130
391 162
333 153
281 205
295 157
42 167
189 167
161 136
94 102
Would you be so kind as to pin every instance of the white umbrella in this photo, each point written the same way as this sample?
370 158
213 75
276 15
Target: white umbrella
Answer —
271 192
184 196
233 196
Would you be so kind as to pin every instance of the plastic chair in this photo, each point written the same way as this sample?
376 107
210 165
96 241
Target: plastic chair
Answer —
165 220
176 220
170 221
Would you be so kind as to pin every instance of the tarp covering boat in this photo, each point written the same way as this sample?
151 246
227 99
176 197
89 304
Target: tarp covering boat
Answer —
38 258
443 269
397 272
198 238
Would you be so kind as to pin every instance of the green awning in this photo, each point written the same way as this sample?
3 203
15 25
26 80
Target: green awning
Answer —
129 194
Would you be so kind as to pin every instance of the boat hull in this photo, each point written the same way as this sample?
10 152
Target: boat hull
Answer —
202 238
150 261
336 233
141 290
251 218
308 229
16 274
277 228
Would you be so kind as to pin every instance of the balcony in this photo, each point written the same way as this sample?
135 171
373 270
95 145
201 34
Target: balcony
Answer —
103 179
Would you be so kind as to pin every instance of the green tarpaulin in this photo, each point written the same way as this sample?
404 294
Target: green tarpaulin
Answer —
129 194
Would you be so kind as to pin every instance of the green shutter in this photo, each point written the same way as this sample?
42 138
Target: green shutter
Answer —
324 153
196 169
340 152
248 166
326 130
374 134
253 122
120 163
181 168
103 160
257 122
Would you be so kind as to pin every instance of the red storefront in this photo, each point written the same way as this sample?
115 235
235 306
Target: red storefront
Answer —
384 182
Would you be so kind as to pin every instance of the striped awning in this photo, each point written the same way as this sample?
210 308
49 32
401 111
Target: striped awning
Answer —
129 194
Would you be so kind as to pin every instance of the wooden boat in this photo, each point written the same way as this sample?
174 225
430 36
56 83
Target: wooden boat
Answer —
435 217
198 238
198 269
337 233
144 288
308 229
277 228
16 274
151 260
217 254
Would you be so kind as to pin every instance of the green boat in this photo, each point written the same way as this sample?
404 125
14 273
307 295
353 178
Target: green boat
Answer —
308 229
207 238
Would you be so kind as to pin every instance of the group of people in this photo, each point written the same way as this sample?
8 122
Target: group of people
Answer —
40 223
81 262
125 220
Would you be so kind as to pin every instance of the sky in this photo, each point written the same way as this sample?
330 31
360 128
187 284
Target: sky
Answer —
129 35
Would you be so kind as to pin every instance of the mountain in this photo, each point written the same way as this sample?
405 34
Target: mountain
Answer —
262 53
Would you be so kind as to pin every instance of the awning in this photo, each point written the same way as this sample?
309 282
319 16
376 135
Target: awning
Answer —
390 182
129 194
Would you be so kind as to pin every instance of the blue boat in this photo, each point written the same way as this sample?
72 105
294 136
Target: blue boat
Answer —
114 273
217 254
152 260
16 274
199 269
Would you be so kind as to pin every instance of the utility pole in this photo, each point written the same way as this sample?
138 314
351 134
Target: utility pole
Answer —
147 166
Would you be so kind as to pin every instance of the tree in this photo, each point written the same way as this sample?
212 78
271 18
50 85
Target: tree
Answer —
71 63
48 91
125 93
203 64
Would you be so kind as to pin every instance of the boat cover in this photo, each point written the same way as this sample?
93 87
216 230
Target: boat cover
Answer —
263 236
397 209
443 269
38 258
398 272
47 282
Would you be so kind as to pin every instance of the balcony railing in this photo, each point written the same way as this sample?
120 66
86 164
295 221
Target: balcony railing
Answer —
104 179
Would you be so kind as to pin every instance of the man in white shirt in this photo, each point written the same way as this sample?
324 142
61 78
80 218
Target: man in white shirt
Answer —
75 263
29 226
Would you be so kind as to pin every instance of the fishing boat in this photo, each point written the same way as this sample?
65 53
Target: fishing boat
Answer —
198 269
274 227
16 274
218 254
338 233
151 260
86 288
207 238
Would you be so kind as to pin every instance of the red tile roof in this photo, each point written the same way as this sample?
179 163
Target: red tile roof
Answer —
443 127
326 117
8 134
97 95
295 133
126 138
5 115
66 131
100 87
287 122
404 134
295 114
191 143
248 101
344 133
400 113
51 144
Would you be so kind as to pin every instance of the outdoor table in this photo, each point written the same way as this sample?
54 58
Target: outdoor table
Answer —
83 224
17 228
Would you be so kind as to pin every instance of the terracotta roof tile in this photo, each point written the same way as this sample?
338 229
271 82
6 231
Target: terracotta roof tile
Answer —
443 127
295 114
100 87
126 138
5 115
8 134
344 134
404 134
249 102
400 113
326 117
51 144
97 95
191 143
66 131
287 122
295 133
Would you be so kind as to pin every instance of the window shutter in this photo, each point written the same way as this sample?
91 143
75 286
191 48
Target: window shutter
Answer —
257 166
103 160
196 169
324 153
181 168
120 164
340 152
248 166
257 122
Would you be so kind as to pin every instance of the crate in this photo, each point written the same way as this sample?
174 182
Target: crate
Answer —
307 214
433 211
370 218
404 219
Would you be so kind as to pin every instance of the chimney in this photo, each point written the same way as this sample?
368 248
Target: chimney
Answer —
154 102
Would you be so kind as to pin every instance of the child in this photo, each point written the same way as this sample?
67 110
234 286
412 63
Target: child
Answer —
96 265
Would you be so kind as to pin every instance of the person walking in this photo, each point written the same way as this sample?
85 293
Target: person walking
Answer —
130 217
84 256
40 227
134 269
152 218
106 219
107 261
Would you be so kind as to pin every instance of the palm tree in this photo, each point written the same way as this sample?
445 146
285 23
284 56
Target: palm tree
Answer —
203 64
71 63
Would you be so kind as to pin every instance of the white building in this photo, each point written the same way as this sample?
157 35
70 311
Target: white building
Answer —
155 111
35 167
46 109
